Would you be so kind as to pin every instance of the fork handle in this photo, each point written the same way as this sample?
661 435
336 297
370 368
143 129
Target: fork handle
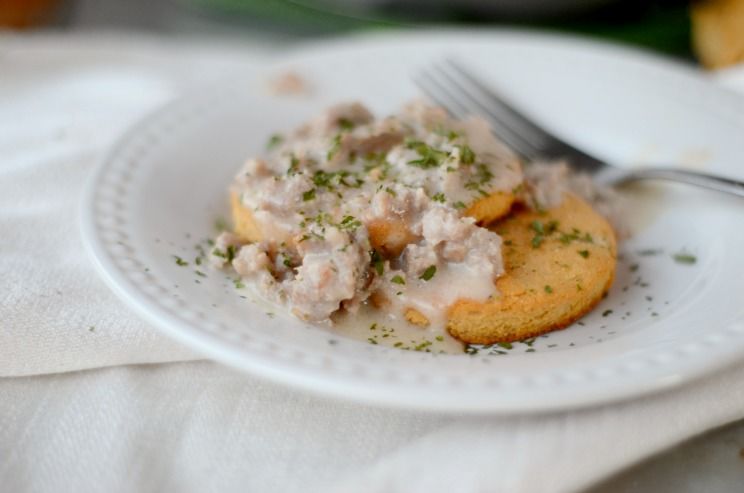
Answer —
703 180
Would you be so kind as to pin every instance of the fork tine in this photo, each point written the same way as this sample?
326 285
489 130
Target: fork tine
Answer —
507 114
438 91
509 135
426 83
546 144
430 84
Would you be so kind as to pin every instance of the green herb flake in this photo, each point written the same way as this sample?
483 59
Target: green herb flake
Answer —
467 156
684 258
584 253
607 313
335 147
377 262
308 195
537 240
429 273
345 124
200 273
650 252
548 289
438 197
220 225
294 165
238 283
429 157
349 223
398 280
180 262
459 205
230 253
439 338
274 141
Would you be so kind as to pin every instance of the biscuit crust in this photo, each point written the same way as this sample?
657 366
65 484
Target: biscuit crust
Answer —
549 282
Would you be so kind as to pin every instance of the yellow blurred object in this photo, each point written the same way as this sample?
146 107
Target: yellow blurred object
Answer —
718 32
25 13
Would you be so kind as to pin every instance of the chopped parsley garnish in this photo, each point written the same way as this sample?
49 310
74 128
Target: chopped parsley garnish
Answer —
220 224
429 156
459 205
429 273
377 262
349 223
584 253
390 191
607 313
438 197
345 124
649 252
335 147
238 283
330 180
308 195
537 227
398 280
294 164
484 174
467 156
274 141
548 289
684 258
439 338
537 240
287 260
179 261
228 255
200 273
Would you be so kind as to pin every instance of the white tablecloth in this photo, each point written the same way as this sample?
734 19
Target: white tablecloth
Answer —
197 426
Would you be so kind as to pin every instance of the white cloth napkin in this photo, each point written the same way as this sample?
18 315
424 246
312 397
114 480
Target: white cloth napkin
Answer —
62 103
197 426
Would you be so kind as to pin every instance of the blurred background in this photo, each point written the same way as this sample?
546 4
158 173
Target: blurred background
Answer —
710 31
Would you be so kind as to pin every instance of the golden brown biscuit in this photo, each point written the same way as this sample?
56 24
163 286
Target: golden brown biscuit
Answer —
491 208
718 32
559 264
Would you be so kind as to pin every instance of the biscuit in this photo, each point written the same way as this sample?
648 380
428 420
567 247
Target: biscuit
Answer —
559 264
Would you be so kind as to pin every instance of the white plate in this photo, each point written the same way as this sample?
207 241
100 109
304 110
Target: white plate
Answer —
159 191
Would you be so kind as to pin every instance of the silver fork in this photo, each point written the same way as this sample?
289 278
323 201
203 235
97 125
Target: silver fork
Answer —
451 86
